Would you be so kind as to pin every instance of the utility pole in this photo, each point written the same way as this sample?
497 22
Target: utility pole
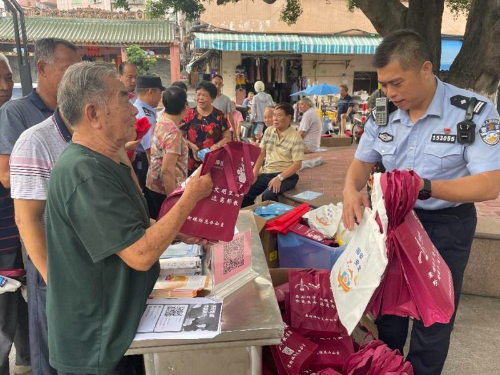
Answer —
21 45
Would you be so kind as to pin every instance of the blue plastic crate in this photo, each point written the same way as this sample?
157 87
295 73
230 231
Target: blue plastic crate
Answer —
297 251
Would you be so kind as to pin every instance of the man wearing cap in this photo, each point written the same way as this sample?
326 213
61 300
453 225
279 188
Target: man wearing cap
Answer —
149 91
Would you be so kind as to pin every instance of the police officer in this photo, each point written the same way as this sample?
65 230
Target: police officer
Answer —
458 163
149 90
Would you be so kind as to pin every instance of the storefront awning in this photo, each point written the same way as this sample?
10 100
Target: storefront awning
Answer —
247 42
286 43
449 51
341 45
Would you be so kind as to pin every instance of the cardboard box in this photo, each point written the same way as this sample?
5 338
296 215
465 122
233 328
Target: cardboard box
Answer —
268 239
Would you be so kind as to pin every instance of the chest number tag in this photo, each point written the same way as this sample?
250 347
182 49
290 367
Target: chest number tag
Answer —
444 138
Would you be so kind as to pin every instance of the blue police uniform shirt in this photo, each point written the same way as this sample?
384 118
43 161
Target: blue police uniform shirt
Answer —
145 110
425 146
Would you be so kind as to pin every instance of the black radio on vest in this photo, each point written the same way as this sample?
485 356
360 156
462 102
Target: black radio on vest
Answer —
466 130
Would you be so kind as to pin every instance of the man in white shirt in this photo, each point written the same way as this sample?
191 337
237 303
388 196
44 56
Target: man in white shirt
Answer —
310 126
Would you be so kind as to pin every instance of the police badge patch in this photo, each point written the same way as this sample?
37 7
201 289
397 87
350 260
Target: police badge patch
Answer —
386 137
490 131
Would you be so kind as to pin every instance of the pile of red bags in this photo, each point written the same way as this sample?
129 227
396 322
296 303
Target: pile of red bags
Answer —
315 342
417 281
375 358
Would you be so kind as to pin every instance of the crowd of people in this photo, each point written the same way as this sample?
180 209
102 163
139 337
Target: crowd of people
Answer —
80 194
83 193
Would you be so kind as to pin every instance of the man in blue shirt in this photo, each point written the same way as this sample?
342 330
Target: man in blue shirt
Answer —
422 135
344 108
149 91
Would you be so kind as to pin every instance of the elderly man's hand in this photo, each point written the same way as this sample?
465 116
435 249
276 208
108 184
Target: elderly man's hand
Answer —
191 240
132 145
199 187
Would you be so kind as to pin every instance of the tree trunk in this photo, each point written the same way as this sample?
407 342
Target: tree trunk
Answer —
477 66
423 16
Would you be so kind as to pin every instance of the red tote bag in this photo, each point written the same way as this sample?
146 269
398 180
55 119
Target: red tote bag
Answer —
214 217
428 276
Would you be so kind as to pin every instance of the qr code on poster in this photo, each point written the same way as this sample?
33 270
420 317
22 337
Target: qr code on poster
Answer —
175 310
234 254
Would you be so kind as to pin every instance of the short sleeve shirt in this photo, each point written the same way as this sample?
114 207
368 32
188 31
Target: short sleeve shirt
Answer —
344 104
149 112
281 151
204 131
223 104
311 125
15 117
429 146
33 158
95 300
167 139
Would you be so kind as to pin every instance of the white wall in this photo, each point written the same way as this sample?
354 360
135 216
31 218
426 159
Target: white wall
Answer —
335 69
229 62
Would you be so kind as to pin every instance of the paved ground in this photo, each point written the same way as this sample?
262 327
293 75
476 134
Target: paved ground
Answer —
329 178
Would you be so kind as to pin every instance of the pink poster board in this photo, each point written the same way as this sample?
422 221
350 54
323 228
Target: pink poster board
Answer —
232 258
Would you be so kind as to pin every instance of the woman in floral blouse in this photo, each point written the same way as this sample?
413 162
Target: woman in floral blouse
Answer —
204 126
169 151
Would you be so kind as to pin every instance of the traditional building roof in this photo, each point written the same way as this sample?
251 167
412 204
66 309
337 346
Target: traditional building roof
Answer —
93 31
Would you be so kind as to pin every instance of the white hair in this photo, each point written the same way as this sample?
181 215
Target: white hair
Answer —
307 101
259 86
83 83
5 60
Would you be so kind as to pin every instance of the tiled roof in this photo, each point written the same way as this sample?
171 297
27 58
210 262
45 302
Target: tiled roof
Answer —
93 31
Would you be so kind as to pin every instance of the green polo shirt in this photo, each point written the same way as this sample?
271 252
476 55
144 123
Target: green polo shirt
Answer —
94 300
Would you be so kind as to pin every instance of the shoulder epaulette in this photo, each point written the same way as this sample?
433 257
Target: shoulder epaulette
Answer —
462 102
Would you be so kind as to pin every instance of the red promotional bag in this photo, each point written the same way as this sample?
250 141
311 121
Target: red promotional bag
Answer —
214 217
313 310
294 354
283 223
418 282
332 352
142 127
428 276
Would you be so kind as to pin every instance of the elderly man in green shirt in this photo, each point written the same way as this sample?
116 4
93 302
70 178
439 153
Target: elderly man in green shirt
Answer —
102 251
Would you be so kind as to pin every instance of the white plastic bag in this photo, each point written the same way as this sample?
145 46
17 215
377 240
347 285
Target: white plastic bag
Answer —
8 285
357 273
325 219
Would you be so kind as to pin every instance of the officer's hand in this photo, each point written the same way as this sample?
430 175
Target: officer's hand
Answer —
199 187
354 205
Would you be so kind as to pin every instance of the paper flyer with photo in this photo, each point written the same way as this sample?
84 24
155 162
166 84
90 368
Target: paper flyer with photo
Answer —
190 318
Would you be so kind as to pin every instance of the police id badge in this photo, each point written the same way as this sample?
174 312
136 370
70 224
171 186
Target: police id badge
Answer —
490 132
444 138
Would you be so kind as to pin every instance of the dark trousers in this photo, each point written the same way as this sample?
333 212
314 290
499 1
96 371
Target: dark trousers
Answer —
154 200
13 319
39 344
129 365
141 166
452 231
260 187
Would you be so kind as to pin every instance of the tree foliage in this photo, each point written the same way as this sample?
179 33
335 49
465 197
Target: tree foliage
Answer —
123 4
136 55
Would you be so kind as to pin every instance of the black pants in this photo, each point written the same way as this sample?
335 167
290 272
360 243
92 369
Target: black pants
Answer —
452 231
154 201
129 365
260 187
141 166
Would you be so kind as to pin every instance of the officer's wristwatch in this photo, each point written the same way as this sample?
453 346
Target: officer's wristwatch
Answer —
280 177
425 193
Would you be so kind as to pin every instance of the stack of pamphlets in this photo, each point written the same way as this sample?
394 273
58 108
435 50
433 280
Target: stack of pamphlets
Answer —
180 272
